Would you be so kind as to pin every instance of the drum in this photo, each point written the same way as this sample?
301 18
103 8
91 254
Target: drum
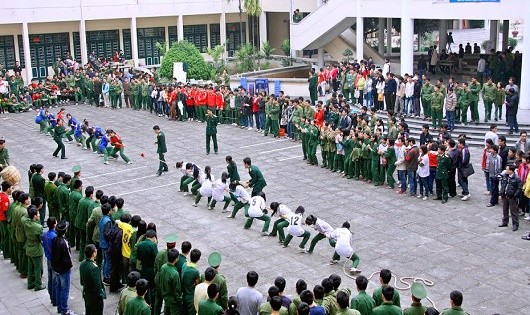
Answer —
11 175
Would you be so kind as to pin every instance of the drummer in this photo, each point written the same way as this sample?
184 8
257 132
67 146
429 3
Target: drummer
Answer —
4 154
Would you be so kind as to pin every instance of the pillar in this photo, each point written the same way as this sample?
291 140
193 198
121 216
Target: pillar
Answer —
442 42
27 52
222 30
180 28
321 57
524 97
319 3
505 33
494 33
82 42
134 41
389 37
407 39
166 37
381 36
359 33
263 37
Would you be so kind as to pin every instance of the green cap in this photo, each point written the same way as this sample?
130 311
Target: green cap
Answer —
418 290
214 260
171 238
76 168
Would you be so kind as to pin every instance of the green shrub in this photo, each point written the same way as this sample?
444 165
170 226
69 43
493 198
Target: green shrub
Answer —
245 58
187 53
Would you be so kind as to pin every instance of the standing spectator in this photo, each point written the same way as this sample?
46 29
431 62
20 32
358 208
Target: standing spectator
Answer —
450 108
105 90
105 225
412 162
47 241
503 151
390 91
400 96
522 145
417 96
90 277
146 253
409 98
512 105
456 304
492 134
386 68
249 299
62 265
481 67
511 188
422 65
363 302
33 248
453 155
434 60
463 162
450 41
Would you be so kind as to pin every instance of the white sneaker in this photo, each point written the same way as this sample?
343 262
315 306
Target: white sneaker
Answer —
355 270
465 198
210 208
486 193
106 163
333 262
230 216
424 198
249 128
186 193
283 246
194 204
419 196
264 233
302 250
527 217
129 163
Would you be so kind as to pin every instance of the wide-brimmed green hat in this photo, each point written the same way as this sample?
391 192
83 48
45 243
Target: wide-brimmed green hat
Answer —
214 260
171 238
418 290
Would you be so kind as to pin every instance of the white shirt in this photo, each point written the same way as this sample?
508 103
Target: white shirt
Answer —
343 245
295 224
242 194
218 192
381 149
283 211
4 87
409 89
481 66
493 136
257 205
386 69
207 186
200 294
323 227
423 171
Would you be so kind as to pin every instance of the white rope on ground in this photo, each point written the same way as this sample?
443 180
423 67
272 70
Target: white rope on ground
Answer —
404 280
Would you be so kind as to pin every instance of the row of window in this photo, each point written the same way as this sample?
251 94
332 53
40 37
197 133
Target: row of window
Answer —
47 48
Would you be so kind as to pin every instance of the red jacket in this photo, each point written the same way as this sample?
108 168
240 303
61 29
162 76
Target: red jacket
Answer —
219 100
202 98
211 98
319 118
116 142
255 104
4 205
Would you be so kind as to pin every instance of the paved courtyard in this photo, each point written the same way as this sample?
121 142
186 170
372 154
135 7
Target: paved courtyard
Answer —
457 245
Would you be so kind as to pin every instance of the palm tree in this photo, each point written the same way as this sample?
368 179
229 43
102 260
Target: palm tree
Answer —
252 8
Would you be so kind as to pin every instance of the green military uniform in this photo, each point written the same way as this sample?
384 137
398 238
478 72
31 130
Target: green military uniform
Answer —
93 290
275 119
312 143
330 303
144 96
11 233
20 214
348 85
214 260
489 94
190 275
180 263
455 310
51 199
347 145
293 308
332 155
211 132
161 149
160 260
4 157
378 297
209 307
437 105
116 215
500 97
268 123
348 311
444 165
169 282
73 232
266 309
313 89
474 89
374 162
363 302
426 95
134 94
58 134
62 194
257 181
84 210
233 174
297 120
137 306
304 136
125 296
390 157
34 252
324 147
146 253
387 308
464 101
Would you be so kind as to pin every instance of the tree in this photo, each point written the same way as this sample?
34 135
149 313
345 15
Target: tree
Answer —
512 42
347 53
267 49
216 54
162 47
252 8
188 54
286 48
245 58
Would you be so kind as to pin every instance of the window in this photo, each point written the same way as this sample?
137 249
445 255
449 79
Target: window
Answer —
7 51
197 35
215 35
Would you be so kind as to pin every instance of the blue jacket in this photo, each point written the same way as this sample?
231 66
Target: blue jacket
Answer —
78 131
99 132
72 122
103 143
47 241
53 121
103 243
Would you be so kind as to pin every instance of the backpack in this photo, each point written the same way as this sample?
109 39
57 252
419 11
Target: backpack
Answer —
115 237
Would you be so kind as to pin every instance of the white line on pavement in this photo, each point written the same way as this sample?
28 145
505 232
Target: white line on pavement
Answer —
126 181
146 189
262 143
281 149
116 172
294 157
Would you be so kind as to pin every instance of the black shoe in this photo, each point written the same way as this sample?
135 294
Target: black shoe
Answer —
64 158
165 170
42 287
490 205
444 201
437 198
158 173
502 225
515 228
55 156
526 237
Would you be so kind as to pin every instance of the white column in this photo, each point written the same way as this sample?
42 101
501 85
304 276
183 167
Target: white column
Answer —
359 33
27 52
17 51
134 41
320 3
222 30
180 27
321 58
82 41
494 33
389 36
407 39
442 43
263 36
505 33
166 37
381 36
524 100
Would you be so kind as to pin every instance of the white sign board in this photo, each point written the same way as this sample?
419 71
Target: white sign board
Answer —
178 72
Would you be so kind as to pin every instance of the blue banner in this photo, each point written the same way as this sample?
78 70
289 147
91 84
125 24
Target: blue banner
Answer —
460 1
